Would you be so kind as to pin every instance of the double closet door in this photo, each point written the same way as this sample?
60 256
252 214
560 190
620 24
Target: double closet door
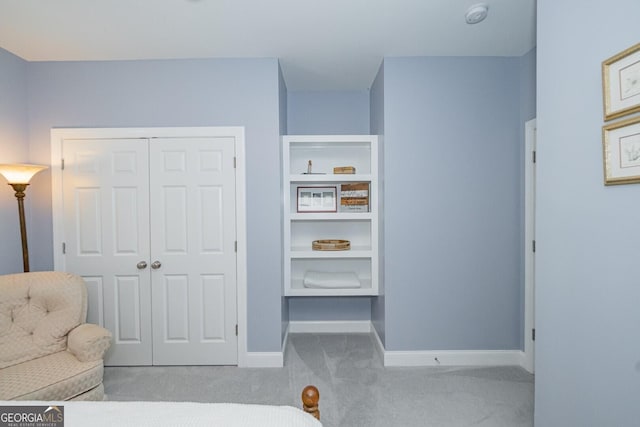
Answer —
150 225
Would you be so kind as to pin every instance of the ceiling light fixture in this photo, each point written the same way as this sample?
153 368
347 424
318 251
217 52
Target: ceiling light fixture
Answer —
476 13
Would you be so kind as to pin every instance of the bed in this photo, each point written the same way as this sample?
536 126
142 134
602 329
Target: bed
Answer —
158 414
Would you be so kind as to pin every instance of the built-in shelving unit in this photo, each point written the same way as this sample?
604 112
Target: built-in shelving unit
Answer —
358 224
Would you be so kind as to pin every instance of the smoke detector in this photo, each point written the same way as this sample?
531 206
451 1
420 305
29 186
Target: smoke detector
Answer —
476 13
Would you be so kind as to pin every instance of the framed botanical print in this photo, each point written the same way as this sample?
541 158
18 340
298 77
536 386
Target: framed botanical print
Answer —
621 83
621 150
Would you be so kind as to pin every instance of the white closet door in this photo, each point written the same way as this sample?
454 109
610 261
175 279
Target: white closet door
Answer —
106 226
193 255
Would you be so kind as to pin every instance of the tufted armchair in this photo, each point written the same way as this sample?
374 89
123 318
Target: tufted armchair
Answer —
47 351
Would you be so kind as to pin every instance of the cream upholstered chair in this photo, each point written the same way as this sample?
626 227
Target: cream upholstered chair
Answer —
47 351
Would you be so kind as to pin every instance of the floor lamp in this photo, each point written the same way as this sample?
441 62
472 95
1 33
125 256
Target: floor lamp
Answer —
18 176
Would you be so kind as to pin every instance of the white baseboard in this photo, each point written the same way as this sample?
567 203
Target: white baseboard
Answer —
448 357
378 343
526 362
453 358
264 359
330 327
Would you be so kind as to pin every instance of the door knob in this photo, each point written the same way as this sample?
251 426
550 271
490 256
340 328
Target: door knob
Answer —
142 265
156 265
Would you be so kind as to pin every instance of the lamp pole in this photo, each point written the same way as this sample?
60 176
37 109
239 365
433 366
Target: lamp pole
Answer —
19 189
18 177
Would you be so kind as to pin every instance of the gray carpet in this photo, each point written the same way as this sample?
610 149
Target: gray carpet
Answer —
355 389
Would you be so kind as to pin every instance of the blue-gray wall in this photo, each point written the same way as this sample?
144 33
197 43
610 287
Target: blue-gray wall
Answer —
333 113
461 140
283 94
527 88
282 100
587 286
328 112
225 92
13 112
452 135
376 124
13 149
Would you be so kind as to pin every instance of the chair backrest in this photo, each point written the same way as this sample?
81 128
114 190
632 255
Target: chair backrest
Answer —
37 311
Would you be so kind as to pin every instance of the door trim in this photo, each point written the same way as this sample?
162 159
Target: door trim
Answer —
529 238
60 134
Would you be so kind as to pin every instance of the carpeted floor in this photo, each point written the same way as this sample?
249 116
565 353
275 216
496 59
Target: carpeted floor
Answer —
355 389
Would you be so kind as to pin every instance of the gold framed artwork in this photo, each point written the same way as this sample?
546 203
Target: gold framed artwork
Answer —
621 83
621 146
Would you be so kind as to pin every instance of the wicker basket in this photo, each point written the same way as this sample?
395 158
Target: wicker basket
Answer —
331 245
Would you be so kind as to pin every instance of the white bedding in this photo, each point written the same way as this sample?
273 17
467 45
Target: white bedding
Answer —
176 414
325 280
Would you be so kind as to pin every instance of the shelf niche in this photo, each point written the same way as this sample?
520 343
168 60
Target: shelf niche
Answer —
301 228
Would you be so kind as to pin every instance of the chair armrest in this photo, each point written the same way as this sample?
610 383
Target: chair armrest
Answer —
89 342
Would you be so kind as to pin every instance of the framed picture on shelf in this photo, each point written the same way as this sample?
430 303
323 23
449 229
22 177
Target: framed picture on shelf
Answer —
317 199
621 151
621 83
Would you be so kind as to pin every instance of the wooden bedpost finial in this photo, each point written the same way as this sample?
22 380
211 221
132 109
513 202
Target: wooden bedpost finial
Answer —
310 398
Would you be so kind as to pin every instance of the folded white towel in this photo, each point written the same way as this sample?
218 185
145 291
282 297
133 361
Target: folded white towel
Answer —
326 280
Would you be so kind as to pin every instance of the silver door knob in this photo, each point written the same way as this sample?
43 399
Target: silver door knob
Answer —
156 265
142 265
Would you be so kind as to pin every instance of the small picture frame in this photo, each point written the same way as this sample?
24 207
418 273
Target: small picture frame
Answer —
317 199
621 151
621 83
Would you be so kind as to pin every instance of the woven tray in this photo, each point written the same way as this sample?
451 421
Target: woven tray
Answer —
331 245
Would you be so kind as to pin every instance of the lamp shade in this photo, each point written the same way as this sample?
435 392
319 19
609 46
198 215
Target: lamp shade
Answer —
20 173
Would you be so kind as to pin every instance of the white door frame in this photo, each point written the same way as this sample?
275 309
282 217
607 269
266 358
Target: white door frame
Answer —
529 239
60 134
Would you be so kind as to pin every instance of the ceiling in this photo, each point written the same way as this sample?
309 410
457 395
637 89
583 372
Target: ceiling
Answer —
321 44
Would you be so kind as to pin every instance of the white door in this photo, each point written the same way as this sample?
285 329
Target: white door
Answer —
106 227
193 251
150 225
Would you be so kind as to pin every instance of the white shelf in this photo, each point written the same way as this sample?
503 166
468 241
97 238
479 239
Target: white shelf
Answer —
298 290
301 228
332 216
354 252
326 178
